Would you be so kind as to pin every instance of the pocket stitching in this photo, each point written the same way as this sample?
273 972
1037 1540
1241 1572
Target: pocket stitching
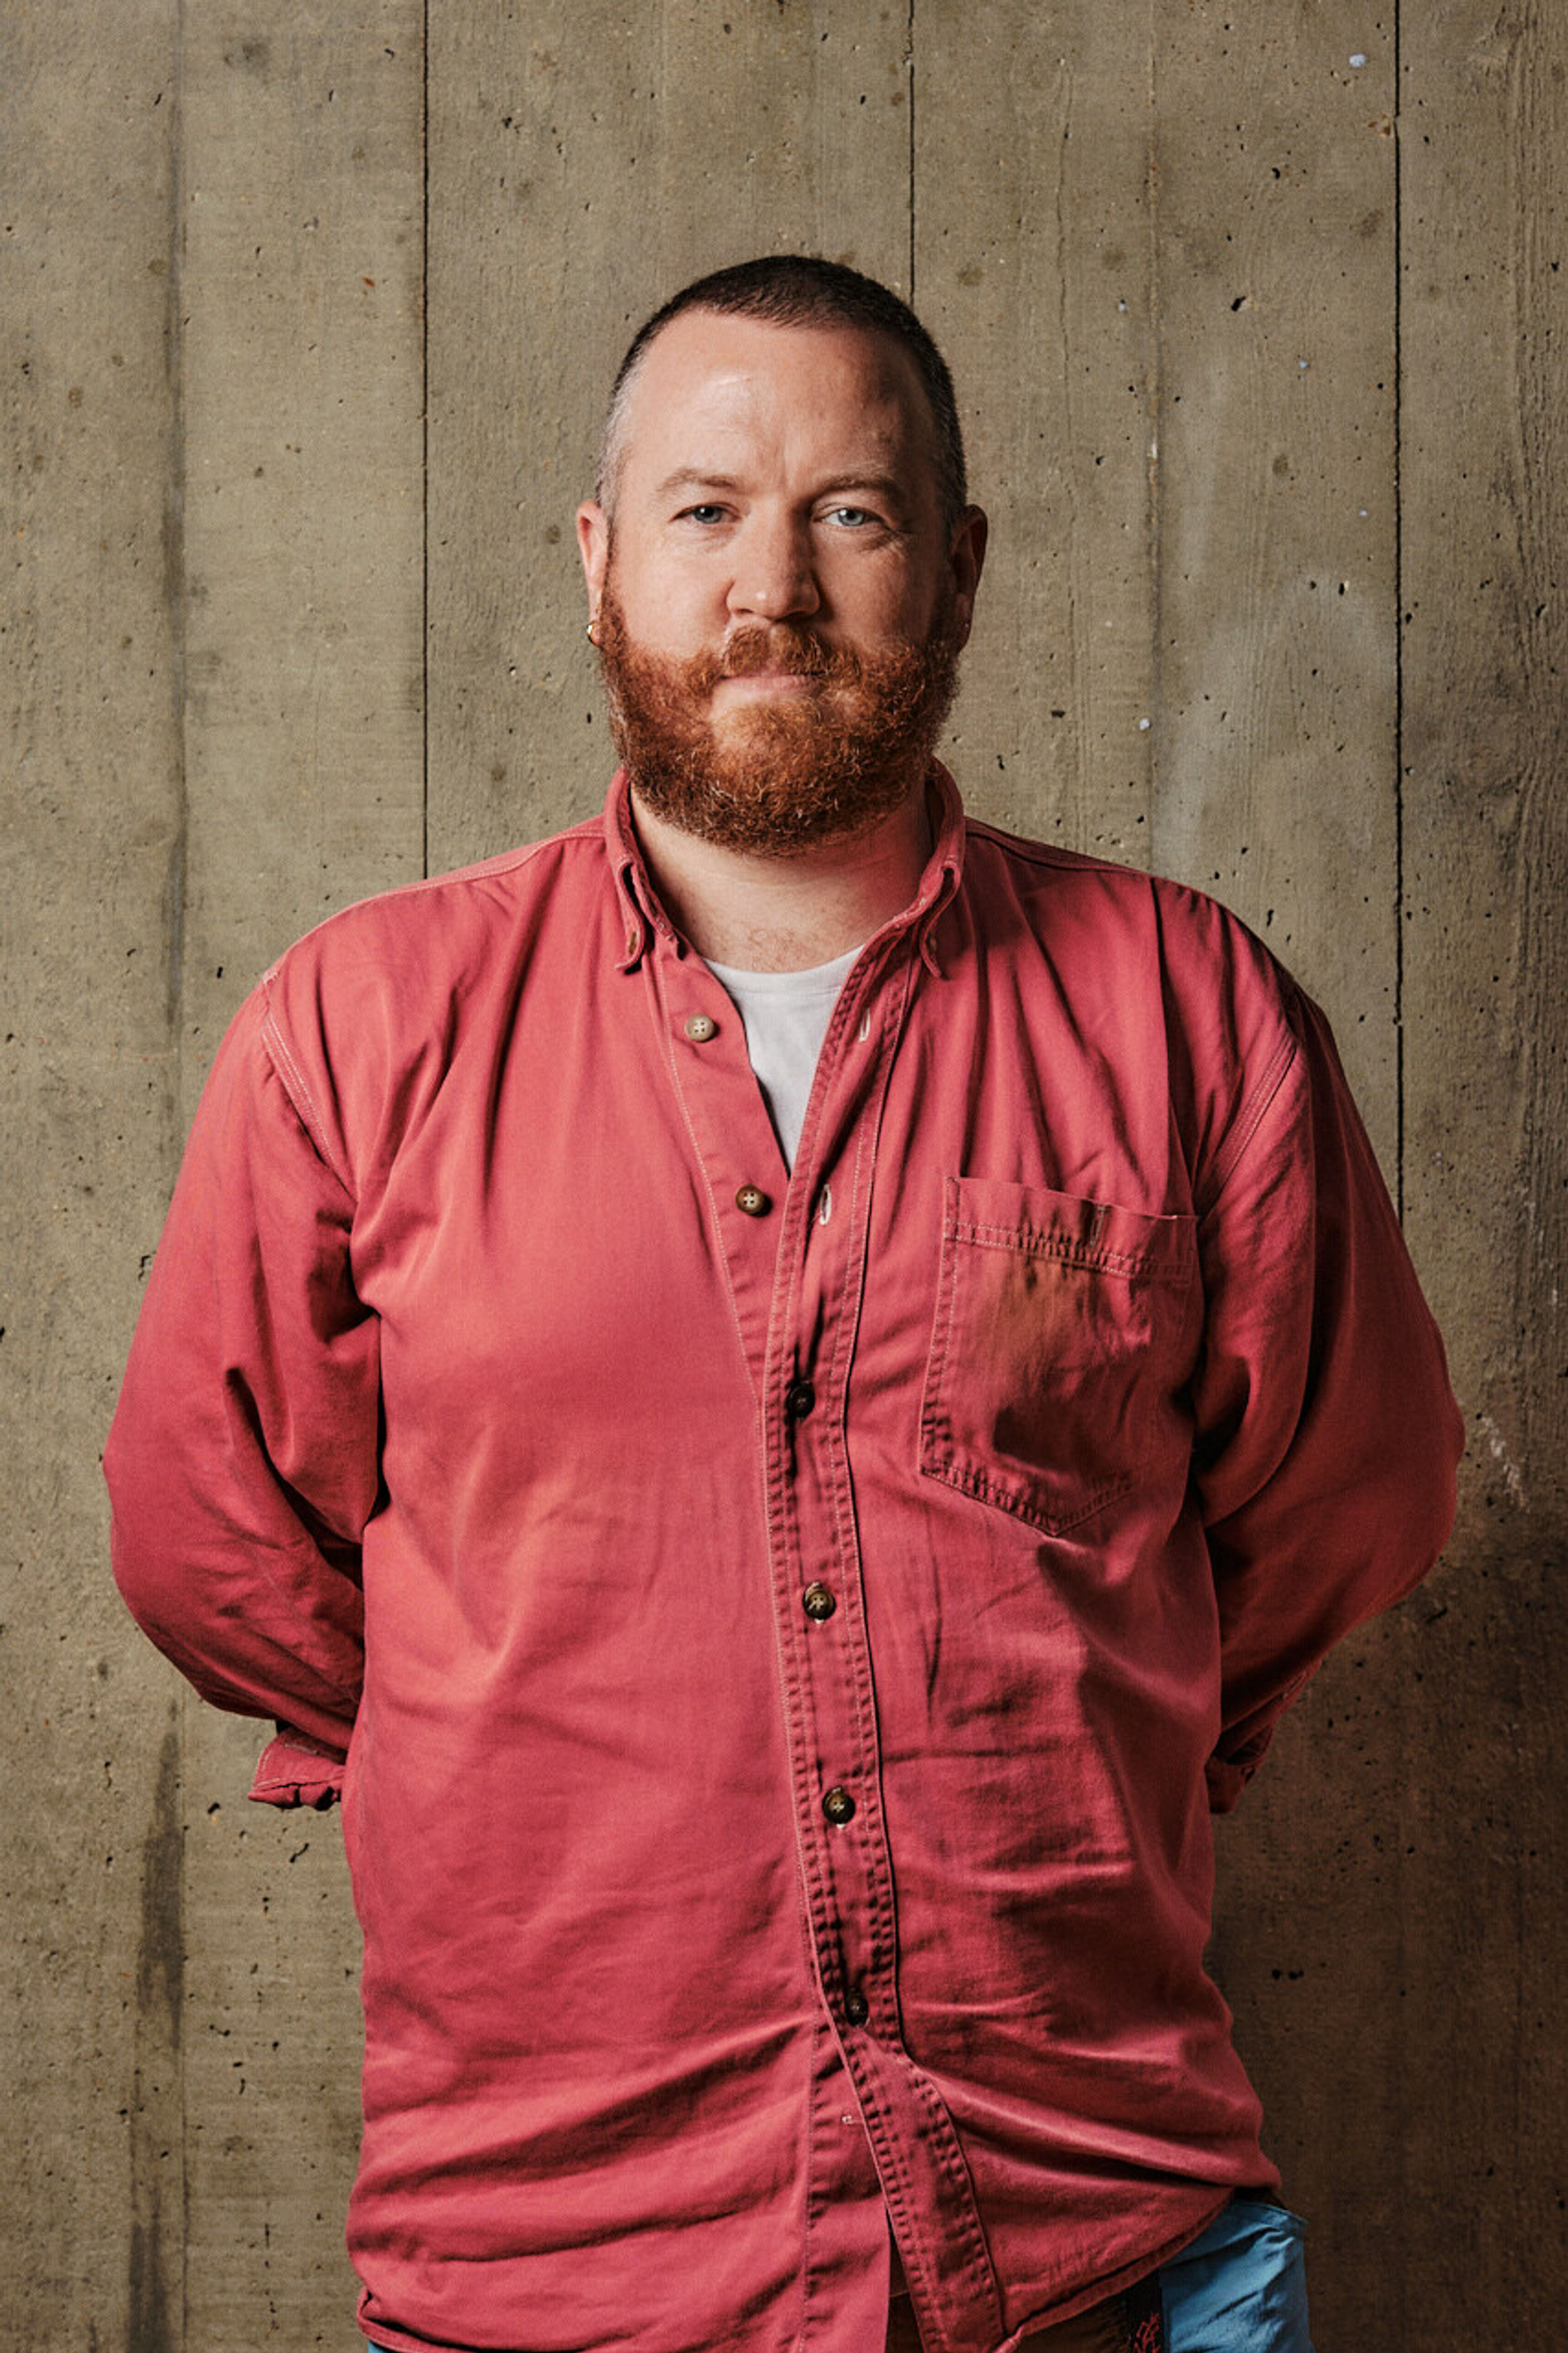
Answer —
973 1482
970 1478
1035 1241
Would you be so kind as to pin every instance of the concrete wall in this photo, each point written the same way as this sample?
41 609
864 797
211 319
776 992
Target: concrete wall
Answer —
1258 313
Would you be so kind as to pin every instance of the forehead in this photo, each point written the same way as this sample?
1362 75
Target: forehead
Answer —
720 391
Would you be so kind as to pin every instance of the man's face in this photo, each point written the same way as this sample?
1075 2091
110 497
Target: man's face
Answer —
780 607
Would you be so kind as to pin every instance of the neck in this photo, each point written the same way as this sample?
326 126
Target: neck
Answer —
761 913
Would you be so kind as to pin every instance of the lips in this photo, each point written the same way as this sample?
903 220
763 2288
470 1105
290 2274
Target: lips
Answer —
774 681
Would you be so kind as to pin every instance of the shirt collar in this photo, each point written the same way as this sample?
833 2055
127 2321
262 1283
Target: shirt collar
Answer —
639 899
944 867
646 917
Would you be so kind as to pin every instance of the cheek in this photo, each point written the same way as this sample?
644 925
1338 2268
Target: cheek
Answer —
668 608
883 603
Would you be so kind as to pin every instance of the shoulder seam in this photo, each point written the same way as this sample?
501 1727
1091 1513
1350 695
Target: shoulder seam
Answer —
1045 853
506 861
1250 1118
291 1079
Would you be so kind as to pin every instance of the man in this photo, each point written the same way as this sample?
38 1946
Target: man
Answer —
774 1386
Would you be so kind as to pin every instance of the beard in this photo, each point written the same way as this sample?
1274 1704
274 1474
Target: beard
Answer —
783 773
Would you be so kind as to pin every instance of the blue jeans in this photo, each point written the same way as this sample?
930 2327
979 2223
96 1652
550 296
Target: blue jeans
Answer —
1242 2287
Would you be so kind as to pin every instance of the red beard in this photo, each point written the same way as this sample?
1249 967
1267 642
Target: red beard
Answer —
783 773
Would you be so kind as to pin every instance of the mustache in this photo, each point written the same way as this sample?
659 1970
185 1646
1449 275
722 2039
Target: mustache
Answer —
793 652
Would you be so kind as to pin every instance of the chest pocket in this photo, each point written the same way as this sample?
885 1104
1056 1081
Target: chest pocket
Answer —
1066 1330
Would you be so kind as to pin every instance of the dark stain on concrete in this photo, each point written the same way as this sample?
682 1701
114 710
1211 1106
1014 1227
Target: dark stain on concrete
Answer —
157 2158
174 927
160 1974
150 2322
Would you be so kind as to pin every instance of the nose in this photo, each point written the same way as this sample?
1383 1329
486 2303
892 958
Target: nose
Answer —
774 576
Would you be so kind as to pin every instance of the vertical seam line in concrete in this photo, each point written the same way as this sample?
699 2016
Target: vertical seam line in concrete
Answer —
174 573
1399 913
176 561
424 442
1151 436
909 80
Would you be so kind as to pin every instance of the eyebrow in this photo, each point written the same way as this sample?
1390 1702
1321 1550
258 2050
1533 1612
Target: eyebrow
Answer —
881 486
692 478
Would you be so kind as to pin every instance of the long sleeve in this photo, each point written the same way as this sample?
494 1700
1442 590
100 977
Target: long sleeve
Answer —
243 1459
1327 1431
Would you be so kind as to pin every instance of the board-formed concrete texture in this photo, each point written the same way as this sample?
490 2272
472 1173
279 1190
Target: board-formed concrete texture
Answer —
1257 315
301 554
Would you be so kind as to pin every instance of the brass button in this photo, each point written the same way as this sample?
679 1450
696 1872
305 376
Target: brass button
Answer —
857 2008
753 1200
838 1805
818 1602
799 1399
701 1027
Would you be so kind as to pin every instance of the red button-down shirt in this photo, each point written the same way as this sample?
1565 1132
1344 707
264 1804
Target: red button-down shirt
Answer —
779 1625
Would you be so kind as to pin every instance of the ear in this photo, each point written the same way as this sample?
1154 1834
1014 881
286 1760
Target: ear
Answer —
967 557
594 546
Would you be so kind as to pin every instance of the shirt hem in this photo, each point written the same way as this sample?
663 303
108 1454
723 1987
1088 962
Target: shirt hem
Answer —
1115 2282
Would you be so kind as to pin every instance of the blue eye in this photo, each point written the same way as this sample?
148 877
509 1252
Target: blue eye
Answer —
850 516
705 513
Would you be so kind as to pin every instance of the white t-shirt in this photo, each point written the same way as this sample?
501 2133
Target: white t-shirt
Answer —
786 1015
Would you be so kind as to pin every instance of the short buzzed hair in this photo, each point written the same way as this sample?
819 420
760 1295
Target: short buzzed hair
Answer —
796 289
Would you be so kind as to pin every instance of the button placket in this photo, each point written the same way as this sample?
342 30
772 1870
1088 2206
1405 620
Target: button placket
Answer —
828 1703
733 1141
815 1261
809 1476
